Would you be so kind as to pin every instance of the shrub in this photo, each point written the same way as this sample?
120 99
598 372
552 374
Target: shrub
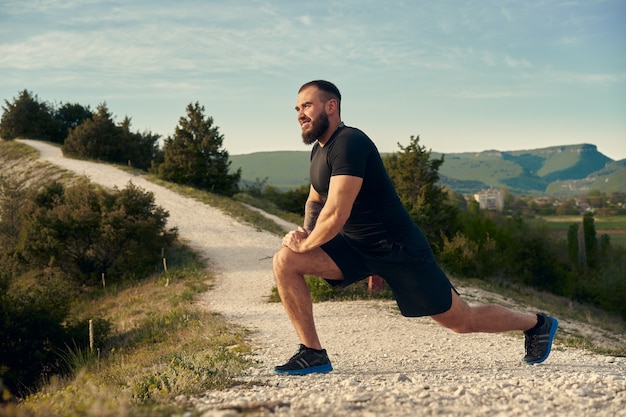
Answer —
31 329
89 232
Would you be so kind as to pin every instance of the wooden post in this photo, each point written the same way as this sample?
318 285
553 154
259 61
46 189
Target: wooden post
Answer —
103 281
167 281
375 284
91 335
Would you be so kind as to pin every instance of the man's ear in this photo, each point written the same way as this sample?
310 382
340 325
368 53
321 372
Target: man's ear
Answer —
331 106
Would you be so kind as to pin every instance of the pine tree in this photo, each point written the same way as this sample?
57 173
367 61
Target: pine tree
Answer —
96 138
416 178
194 155
27 117
591 241
573 244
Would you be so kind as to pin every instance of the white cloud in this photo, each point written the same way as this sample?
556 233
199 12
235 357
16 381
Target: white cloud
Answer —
573 77
567 40
305 20
517 63
488 94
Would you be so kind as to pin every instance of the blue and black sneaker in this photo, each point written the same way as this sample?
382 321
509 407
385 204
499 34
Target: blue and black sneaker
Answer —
305 361
539 339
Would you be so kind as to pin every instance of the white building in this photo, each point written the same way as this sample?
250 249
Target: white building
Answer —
490 200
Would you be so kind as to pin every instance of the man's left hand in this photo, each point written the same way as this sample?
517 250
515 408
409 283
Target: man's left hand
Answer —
294 240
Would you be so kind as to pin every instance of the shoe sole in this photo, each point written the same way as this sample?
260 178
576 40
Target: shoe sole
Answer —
321 369
555 325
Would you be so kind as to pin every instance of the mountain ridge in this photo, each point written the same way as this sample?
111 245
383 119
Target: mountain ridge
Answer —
557 170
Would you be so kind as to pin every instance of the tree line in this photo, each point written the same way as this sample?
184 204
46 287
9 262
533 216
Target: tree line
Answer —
194 155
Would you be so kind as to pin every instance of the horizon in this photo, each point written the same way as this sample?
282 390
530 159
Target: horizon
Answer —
456 153
465 77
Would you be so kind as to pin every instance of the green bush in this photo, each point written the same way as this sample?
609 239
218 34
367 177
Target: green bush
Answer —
32 329
467 258
89 232
99 137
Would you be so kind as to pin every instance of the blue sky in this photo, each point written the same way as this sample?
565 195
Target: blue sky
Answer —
464 75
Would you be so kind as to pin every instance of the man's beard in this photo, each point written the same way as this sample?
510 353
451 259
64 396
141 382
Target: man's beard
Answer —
318 128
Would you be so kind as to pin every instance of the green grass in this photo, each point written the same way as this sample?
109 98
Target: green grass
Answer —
227 205
162 345
268 207
601 223
283 169
559 161
492 172
614 226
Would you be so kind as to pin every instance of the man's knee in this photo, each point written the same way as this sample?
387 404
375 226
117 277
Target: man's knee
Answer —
283 260
278 261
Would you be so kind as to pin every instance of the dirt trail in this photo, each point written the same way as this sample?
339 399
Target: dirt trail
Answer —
385 364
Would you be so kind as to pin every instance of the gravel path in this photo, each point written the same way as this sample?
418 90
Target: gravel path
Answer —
385 365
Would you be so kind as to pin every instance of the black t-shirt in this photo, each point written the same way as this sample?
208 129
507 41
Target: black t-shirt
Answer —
377 214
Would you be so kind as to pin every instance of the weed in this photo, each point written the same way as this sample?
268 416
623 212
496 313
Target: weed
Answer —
79 358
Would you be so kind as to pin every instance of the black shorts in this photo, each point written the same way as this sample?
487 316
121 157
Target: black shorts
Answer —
419 285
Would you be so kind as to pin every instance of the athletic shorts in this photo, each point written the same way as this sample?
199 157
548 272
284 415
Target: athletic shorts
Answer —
419 285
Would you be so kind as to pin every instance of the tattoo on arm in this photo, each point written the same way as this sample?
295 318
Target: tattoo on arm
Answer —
311 212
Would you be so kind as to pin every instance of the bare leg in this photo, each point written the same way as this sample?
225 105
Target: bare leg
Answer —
462 318
289 271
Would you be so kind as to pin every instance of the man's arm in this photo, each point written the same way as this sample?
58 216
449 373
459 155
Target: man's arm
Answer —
333 215
312 208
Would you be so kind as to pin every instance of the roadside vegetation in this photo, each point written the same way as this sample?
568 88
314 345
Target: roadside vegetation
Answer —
75 342
158 346
75 257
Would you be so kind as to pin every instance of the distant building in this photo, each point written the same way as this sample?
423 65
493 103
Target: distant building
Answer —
490 200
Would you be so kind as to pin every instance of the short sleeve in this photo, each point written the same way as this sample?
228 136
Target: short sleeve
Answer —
349 155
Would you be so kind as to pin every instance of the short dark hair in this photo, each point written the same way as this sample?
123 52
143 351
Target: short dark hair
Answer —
329 89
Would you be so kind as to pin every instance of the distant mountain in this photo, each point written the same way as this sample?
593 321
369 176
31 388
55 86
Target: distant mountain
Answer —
527 171
283 169
571 169
611 178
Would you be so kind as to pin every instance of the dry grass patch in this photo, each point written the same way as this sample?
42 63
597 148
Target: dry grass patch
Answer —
161 346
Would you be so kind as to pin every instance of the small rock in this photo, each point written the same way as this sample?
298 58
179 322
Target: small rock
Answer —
358 398
402 378
220 413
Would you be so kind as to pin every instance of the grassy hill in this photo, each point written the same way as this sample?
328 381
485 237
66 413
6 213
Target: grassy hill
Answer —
610 178
283 169
571 169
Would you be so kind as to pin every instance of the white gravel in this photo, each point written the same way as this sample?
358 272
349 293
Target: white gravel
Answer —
385 364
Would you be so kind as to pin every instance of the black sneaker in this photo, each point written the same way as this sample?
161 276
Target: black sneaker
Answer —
539 339
305 361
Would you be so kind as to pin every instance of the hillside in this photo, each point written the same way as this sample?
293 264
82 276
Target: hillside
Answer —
284 169
571 169
610 178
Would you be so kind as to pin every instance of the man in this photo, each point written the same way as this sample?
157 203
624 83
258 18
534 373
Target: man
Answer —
355 226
